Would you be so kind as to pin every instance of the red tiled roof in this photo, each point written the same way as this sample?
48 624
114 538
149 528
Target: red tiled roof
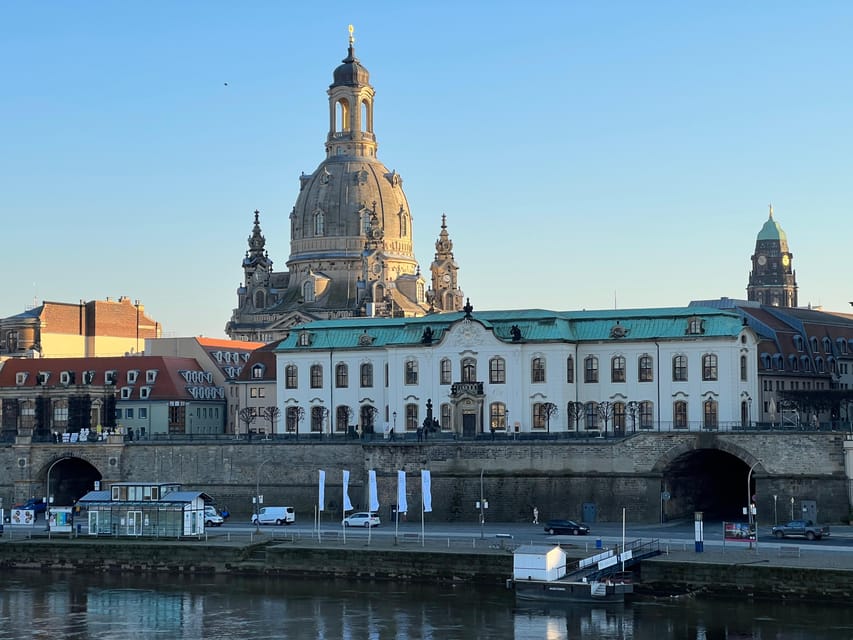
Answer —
169 383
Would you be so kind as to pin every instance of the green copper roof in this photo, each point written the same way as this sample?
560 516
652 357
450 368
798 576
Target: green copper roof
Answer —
772 231
535 325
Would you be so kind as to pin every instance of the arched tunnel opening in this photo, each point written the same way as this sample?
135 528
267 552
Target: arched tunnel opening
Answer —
706 480
68 479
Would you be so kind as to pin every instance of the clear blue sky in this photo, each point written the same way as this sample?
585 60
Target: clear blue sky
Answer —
587 154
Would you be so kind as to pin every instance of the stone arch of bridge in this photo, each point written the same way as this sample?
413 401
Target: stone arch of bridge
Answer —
67 478
710 477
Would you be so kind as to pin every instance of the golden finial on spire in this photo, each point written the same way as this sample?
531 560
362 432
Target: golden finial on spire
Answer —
351 38
771 209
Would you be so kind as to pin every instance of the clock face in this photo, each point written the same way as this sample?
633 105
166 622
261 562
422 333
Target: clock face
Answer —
446 277
762 260
785 260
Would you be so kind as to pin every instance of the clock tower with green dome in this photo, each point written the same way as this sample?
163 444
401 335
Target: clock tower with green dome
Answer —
772 280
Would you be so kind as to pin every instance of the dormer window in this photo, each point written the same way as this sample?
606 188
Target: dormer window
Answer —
695 326
43 377
144 392
110 377
125 393
304 339
813 344
132 375
827 345
21 378
798 343
65 377
151 376
258 372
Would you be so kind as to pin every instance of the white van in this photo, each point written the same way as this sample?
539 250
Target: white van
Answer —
274 515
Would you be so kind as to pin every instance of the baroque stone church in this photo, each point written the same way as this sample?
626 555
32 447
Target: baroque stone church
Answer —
352 232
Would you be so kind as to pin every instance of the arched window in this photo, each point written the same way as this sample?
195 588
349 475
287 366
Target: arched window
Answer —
590 369
617 369
291 377
341 375
570 370
497 416
411 417
319 223
679 368
260 300
709 414
445 371
404 224
647 415
743 368
366 374
318 415
291 419
308 291
591 415
497 371
679 414
709 367
537 370
539 417
446 413
469 370
342 115
366 119
342 416
316 376
619 416
645 368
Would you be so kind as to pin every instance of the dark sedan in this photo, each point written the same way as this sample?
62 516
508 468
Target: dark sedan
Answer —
571 527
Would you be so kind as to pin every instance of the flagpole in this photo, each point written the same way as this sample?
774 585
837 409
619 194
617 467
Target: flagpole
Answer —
422 514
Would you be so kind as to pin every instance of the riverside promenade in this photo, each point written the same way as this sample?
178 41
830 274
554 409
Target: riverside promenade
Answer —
769 570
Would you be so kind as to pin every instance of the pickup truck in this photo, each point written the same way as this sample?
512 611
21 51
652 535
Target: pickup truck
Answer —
801 528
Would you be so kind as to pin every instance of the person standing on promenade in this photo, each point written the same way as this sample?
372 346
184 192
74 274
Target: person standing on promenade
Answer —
535 515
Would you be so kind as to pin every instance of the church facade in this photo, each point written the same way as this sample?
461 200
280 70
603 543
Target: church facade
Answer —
352 231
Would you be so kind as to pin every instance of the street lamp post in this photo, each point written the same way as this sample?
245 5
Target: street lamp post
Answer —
394 426
258 496
482 507
749 511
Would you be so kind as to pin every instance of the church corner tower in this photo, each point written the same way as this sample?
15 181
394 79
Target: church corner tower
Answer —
445 294
351 234
772 280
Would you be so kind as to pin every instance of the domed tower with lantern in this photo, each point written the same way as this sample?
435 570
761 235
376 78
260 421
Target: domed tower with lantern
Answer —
772 280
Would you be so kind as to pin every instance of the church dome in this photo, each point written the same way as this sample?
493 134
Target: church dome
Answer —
351 72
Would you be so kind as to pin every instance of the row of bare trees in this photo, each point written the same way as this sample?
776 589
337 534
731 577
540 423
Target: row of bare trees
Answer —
271 414
605 411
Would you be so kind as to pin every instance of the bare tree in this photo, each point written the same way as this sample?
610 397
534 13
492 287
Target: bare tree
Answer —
272 414
369 412
605 412
576 413
549 410
633 407
247 416
298 415
344 413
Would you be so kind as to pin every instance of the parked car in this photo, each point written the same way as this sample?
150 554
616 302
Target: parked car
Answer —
212 518
362 519
33 504
554 527
802 529
274 515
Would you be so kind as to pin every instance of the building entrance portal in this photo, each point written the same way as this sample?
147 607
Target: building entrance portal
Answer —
469 425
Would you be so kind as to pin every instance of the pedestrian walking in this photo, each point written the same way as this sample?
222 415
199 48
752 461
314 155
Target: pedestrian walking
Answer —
535 515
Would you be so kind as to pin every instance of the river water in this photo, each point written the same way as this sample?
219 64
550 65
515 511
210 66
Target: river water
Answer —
106 607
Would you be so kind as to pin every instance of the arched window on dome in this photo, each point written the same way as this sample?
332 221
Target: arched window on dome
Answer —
260 300
319 223
421 295
404 223
366 117
342 115
308 291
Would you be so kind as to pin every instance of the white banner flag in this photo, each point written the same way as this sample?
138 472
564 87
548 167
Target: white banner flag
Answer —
402 505
347 503
373 497
321 498
426 490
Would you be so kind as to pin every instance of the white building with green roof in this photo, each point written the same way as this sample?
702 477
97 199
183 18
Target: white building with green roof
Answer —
519 372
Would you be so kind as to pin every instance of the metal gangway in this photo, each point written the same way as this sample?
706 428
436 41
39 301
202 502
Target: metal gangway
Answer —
612 562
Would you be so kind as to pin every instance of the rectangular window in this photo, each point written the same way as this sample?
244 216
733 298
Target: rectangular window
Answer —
679 415
367 375
445 373
539 415
143 413
537 370
646 369
617 369
411 417
590 369
128 413
679 369
411 372
316 376
709 367
253 392
341 376
151 376
497 371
